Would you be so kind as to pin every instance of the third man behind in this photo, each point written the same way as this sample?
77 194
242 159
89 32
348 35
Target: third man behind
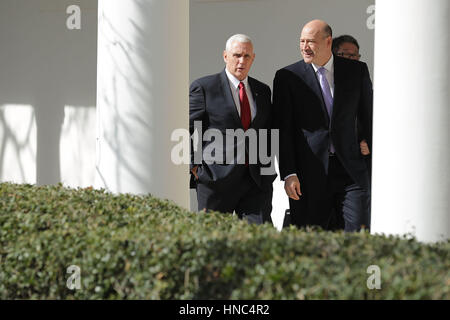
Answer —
346 46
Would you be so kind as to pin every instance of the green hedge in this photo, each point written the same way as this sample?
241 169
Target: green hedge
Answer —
140 247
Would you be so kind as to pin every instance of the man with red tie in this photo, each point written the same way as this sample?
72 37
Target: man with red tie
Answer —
225 102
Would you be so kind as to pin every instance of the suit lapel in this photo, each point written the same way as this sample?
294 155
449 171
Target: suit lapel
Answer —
229 101
256 97
339 82
313 83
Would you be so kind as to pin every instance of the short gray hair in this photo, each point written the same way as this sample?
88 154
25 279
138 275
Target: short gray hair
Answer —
239 38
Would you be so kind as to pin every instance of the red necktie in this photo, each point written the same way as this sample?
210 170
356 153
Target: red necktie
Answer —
246 117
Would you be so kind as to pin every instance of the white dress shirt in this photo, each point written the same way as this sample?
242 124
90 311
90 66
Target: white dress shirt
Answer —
329 74
234 86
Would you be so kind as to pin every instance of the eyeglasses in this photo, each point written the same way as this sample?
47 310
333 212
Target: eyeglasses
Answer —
348 55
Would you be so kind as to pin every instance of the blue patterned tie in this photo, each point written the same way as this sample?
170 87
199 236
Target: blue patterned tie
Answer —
327 97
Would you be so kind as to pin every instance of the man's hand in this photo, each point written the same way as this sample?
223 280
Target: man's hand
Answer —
292 187
364 148
194 172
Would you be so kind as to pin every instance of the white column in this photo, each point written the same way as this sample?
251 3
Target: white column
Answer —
142 96
411 153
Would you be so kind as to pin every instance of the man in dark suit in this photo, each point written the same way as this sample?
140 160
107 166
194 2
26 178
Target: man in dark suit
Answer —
318 102
221 104
347 46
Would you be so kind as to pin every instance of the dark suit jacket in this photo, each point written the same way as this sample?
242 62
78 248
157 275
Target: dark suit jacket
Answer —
211 102
305 125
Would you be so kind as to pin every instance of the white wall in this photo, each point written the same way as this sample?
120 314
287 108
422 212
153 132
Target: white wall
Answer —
274 26
48 84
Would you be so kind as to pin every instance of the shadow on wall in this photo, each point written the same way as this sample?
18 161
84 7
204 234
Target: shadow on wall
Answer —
17 143
137 102
48 72
123 72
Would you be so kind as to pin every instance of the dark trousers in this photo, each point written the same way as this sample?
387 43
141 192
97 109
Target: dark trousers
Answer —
348 204
249 201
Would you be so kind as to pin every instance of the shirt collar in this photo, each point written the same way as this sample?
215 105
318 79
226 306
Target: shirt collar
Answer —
234 81
328 66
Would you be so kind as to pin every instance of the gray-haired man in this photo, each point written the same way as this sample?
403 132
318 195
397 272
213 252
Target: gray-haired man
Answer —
232 100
